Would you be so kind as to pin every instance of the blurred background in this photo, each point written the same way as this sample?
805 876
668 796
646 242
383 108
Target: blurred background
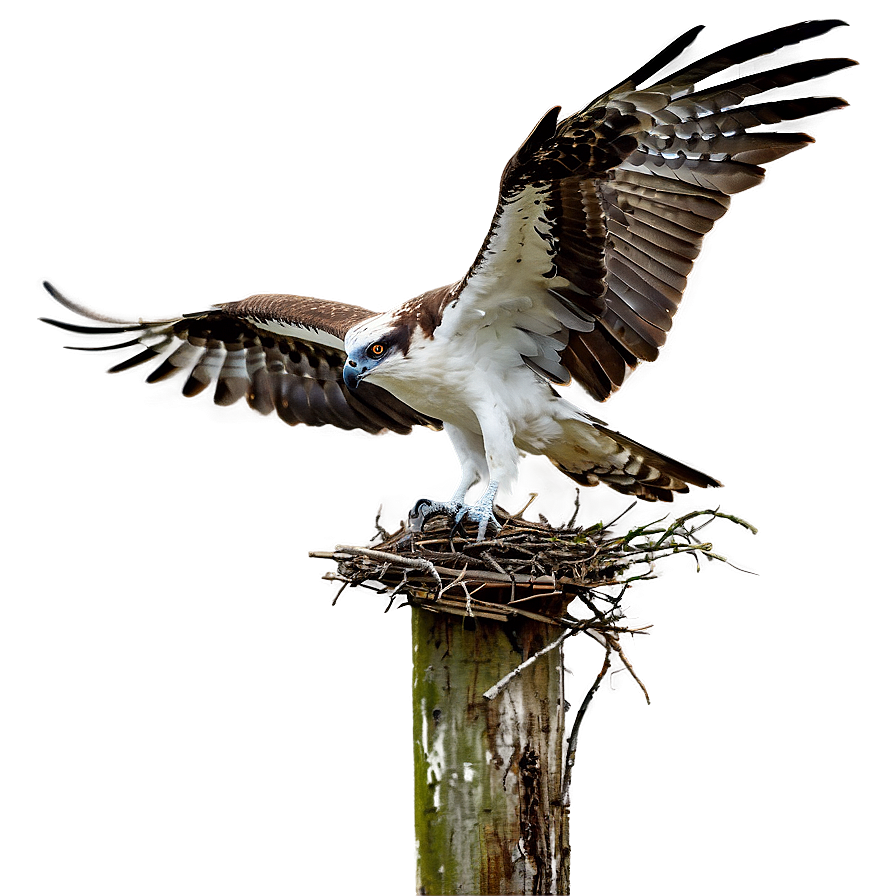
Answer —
183 709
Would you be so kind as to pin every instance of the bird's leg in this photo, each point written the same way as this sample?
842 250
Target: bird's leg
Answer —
468 447
501 457
498 454
425 507
468 478
482 512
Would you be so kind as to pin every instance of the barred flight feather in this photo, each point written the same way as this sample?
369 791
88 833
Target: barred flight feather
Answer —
302 381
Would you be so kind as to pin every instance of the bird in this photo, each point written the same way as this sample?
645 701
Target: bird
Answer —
599 221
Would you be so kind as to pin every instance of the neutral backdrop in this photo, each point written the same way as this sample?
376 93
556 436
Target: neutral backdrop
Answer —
184 712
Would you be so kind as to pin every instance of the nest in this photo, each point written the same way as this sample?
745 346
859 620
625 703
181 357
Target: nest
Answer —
570 577
529 569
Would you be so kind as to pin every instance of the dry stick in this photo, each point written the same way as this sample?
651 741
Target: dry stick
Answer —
535 595
500 569
614 642
485 607
488 576
650 555
574 734
484 580
391 558
538 617
492 609
460 581
496 688
458 609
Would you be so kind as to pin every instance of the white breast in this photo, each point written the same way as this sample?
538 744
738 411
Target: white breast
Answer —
457 378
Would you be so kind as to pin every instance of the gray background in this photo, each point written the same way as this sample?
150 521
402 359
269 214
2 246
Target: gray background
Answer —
183 711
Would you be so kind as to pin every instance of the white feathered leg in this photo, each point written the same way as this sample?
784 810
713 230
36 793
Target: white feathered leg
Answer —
502 458
471 453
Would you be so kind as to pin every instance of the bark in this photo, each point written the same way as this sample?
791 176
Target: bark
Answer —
488 773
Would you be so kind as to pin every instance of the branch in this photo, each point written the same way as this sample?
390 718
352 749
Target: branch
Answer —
495 689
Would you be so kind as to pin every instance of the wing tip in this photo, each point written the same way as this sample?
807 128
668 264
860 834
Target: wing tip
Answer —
86 319
664 57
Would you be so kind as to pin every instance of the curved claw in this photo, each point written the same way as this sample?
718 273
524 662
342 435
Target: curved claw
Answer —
416 511
480 513
425 508
458 523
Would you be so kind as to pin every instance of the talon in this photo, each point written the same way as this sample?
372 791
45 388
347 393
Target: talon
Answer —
484 523
482 513
458 524
479 513
416 511
425 508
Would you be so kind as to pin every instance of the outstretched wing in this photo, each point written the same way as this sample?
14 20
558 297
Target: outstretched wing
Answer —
280 353
601 215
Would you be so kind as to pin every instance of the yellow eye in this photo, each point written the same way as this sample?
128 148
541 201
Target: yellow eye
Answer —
376 350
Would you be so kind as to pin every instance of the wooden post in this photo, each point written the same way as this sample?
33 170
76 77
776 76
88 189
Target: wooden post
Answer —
490 778
488 773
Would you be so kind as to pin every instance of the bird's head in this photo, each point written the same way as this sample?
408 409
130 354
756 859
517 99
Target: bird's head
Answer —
373 346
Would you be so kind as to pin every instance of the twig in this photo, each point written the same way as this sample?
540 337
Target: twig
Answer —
496 688
391 558
575 511
458 581
614 642
573 741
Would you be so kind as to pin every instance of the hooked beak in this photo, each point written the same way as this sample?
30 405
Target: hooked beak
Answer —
352 374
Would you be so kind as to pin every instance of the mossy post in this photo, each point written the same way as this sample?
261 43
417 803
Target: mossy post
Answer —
488 773
492 762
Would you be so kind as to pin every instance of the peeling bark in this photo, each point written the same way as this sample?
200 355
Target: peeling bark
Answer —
488 773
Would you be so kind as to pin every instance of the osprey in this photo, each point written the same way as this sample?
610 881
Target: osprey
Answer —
599 221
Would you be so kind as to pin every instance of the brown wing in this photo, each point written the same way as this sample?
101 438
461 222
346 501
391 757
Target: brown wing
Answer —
280 353
606 210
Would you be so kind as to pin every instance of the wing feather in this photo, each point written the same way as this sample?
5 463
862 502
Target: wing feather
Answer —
601 215
279 353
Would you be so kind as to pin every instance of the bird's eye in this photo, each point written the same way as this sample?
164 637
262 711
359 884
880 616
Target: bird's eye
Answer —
376 350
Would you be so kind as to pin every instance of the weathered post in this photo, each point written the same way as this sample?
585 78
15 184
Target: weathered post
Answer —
492 760
488 773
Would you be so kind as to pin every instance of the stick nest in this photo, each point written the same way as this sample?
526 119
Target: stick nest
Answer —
573 578
529 569
569 577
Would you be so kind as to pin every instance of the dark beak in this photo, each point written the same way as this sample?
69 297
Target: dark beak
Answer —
351 376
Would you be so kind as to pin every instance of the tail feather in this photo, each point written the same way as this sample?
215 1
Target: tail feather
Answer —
590 454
